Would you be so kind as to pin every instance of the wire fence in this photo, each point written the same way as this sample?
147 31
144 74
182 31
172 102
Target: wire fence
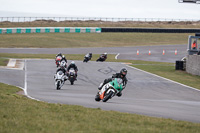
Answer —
61 19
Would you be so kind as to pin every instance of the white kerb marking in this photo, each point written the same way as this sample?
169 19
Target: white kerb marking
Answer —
117 56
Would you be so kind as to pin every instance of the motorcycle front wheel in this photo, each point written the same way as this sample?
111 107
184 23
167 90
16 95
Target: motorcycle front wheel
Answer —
108 96
58 86
72 82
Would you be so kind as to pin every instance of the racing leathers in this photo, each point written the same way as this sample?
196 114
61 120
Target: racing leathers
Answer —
117 75
63 58
74 67
64 70
88 56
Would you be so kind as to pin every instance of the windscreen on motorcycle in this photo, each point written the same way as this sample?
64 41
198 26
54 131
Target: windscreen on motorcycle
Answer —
119 81
71 71
60 72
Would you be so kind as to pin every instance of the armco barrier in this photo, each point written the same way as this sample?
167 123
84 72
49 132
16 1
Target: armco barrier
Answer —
50 30
150 30
92 30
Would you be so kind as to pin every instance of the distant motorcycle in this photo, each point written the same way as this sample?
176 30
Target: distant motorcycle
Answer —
109 90
101 58
72 76
87 57
58 59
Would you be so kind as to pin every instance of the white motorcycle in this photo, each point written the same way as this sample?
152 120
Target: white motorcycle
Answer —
60 76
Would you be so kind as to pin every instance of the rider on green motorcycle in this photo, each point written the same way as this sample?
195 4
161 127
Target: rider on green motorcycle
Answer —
121 75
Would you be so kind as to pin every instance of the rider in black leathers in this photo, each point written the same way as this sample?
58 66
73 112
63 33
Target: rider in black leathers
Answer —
72 65
121 75
102 57
63 69
63 58
59 54
87 57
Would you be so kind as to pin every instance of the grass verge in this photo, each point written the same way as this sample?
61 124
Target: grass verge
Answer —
65 40
3 61
19 114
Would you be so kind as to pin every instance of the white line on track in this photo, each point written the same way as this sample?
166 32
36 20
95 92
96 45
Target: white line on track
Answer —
163 78
117 56
25 82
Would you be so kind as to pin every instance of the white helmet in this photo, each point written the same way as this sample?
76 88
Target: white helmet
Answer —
72 62
62 63
105 53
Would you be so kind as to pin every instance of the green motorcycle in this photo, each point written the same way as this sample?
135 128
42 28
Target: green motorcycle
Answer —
109 90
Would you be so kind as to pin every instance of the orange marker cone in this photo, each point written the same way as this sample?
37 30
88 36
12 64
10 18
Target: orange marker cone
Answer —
149 52
176 52
163 53
137 52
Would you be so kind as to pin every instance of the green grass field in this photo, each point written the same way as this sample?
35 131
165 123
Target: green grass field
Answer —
20 114
65 40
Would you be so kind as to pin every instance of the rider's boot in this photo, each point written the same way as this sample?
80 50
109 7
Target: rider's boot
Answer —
119 94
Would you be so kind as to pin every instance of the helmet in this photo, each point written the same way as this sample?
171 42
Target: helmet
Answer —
123 72
90 53
59 54
73 62
63 64
63 56
105 53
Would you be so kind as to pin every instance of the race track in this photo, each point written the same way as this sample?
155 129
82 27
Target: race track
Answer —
145 93
129 53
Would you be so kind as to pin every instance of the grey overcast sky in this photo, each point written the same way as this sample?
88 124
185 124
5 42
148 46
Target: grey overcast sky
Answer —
100 8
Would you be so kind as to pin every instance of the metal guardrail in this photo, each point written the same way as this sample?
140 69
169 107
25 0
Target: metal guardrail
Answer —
60 19
151 30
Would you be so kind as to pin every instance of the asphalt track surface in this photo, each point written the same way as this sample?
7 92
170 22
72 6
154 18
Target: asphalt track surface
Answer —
129 53
145 94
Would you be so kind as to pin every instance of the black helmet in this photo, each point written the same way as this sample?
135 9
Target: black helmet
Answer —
90 53
59 54
123 72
